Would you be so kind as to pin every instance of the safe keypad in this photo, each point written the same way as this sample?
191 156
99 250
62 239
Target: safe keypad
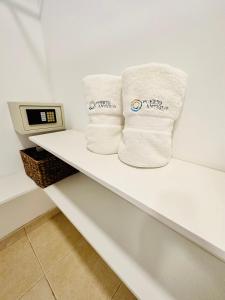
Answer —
50 116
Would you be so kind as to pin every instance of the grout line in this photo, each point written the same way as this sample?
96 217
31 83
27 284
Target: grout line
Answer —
116 290
44 275
33 285
50 288
34 251
49 284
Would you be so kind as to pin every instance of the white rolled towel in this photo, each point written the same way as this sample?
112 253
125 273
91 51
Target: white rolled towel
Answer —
104 105
152 100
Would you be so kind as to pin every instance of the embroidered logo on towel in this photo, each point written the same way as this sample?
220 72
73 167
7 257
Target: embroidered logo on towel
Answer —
136 105
101 104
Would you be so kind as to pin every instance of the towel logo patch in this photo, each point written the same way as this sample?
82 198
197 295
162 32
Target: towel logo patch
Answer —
101 104
137 104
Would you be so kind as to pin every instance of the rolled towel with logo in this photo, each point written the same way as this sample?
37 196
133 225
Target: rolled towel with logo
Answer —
152 100
104 105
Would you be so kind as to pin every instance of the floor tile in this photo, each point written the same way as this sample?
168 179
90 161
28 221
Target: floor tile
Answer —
123 293
41 291
85 276
19 269
12 238
53 239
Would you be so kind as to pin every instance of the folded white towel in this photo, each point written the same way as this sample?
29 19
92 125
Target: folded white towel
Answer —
152 100
104 104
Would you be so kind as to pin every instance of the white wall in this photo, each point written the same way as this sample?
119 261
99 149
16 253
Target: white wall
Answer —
23 72
96 36
23 209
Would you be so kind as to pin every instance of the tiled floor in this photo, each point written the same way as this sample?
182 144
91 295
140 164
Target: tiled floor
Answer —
49 259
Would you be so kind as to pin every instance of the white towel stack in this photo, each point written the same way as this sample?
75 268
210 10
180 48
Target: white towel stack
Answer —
104 104
152 100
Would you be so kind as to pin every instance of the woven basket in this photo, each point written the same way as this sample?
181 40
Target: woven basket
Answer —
43 167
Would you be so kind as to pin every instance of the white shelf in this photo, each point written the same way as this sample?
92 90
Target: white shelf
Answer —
154 261
15 185
186 197
86 204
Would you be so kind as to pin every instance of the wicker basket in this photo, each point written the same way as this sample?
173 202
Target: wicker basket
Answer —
43 167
